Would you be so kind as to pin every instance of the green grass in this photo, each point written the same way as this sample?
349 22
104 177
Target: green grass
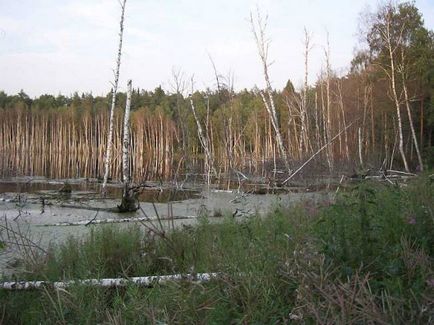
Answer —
367 258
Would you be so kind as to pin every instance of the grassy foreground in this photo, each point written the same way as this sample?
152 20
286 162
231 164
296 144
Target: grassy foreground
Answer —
367 258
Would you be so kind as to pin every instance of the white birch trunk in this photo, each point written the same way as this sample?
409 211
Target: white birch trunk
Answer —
262 44
410 118
341 104
387 37
145 281
328 114
360 147
202 139
109 148
304 139
126 139
315 154
110 221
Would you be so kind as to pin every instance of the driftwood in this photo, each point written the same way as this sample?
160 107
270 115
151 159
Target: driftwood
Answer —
145 281
123 220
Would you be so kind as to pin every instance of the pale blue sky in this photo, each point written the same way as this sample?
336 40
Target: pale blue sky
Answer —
62 46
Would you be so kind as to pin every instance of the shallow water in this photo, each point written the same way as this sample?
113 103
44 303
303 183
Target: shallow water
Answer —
34 206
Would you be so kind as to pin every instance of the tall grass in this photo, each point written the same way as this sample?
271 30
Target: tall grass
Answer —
367 258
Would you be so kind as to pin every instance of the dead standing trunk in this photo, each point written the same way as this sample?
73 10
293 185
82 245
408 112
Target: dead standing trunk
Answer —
262 43
109 148
328 120
129 200
304 138
203 139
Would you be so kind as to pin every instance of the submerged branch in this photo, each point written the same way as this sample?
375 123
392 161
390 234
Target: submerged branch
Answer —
105 221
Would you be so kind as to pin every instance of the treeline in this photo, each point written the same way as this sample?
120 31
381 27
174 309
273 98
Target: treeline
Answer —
380 114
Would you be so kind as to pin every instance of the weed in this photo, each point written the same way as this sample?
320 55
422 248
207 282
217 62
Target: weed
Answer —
366 258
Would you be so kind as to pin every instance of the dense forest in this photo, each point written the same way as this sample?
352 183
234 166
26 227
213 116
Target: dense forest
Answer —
380 114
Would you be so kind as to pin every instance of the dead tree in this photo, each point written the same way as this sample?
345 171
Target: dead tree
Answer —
328 120
109 148
129 200
304 137
258 30
203 138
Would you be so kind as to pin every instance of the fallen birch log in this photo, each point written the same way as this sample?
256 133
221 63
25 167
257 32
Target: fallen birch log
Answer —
389 171
316 153
144 281
105 221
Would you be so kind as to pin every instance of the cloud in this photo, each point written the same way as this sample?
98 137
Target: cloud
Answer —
68 45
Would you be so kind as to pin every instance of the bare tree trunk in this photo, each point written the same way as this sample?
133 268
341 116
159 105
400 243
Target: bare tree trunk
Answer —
341 104
126 137
262 44
316 153
387 36
410 119
329 122
303 112
129 201
203 140
179 86
360 147
108 155
318 136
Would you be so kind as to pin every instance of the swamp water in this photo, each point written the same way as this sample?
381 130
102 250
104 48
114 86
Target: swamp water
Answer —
37 208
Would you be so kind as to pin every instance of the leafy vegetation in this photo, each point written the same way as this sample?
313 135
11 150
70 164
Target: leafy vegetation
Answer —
366 258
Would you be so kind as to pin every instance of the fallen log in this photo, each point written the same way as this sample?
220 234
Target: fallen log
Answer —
105 221
391 171
316 153
144 281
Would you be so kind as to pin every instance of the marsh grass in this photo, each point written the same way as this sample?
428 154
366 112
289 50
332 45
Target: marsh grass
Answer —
367 258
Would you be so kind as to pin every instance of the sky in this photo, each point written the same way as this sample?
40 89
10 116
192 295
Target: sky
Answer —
63 46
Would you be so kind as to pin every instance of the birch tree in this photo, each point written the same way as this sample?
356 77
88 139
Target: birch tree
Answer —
262 42
129 202
203 138
385 32
109 148
304 138
402 70
327 106
126 138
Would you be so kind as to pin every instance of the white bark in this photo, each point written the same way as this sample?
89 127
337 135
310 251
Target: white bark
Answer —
304 139
107 221
328 112
387 37
315 154
410 118
360 147
262 44
203 139
109 148
341 104
126 140
145 281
